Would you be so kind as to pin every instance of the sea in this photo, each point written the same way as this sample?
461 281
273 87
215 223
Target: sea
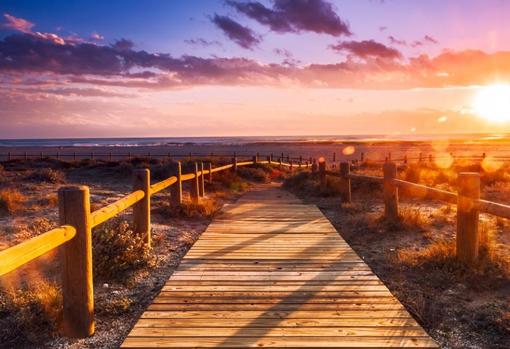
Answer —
245 140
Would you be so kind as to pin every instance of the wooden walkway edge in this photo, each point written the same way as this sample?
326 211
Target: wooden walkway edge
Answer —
271 271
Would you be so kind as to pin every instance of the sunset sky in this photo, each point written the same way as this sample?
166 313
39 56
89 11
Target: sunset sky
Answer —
220 68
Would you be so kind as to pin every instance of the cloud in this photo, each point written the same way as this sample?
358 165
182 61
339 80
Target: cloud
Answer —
289 59
243 36
383 28
203 42
74 92
367 49
286 16
394 41
24 26
123 45
96 36
18 24
29 59
427 39
430 39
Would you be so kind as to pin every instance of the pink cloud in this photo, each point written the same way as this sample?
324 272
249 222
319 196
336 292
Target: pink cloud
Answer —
96 36
18 24
367 48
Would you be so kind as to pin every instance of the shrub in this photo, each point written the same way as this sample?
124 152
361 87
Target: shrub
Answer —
304 183
47 175
11 200
188 209
254 174
30 312
117 250
230 180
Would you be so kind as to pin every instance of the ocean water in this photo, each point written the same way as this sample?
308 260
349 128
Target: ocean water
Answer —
237 141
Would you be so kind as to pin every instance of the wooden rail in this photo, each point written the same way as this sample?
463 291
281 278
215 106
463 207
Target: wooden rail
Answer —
75 231
467 199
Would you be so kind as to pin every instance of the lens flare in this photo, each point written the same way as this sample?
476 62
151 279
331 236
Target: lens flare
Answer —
493 103
490 164
349 150
444 160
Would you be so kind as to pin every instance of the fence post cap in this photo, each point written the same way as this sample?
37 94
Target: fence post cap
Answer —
74 188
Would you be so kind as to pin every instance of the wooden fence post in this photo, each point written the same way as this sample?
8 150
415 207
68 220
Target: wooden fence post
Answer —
26 156
74 156
201 187
142 209
194 186
322 175
420 157
280 166
405 159
468 239
362 157
254 159
209 178
314 166
77 283
390 191
345 184
176 189
268 158
234 163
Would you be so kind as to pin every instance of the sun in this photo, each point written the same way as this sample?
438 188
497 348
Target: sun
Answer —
493 103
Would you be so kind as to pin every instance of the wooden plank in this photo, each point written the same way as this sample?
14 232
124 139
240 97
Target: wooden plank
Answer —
279 331
279 342
256 323
273 272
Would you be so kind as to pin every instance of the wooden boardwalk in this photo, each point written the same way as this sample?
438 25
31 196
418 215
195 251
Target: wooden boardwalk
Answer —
273 272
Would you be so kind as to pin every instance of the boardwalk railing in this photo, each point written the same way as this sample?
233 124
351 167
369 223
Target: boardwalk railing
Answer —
467 199
77 222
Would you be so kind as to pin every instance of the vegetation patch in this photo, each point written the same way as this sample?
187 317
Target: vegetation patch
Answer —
118 251
11 201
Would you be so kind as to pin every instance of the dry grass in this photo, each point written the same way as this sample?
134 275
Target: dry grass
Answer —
117 251
29 314
204 208
11 201
412 218
48 175
228 180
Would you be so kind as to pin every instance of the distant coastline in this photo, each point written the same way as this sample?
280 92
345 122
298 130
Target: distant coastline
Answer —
251 140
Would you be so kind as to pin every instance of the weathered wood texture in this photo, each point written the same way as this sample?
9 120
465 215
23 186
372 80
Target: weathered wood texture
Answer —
77 286
271 271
